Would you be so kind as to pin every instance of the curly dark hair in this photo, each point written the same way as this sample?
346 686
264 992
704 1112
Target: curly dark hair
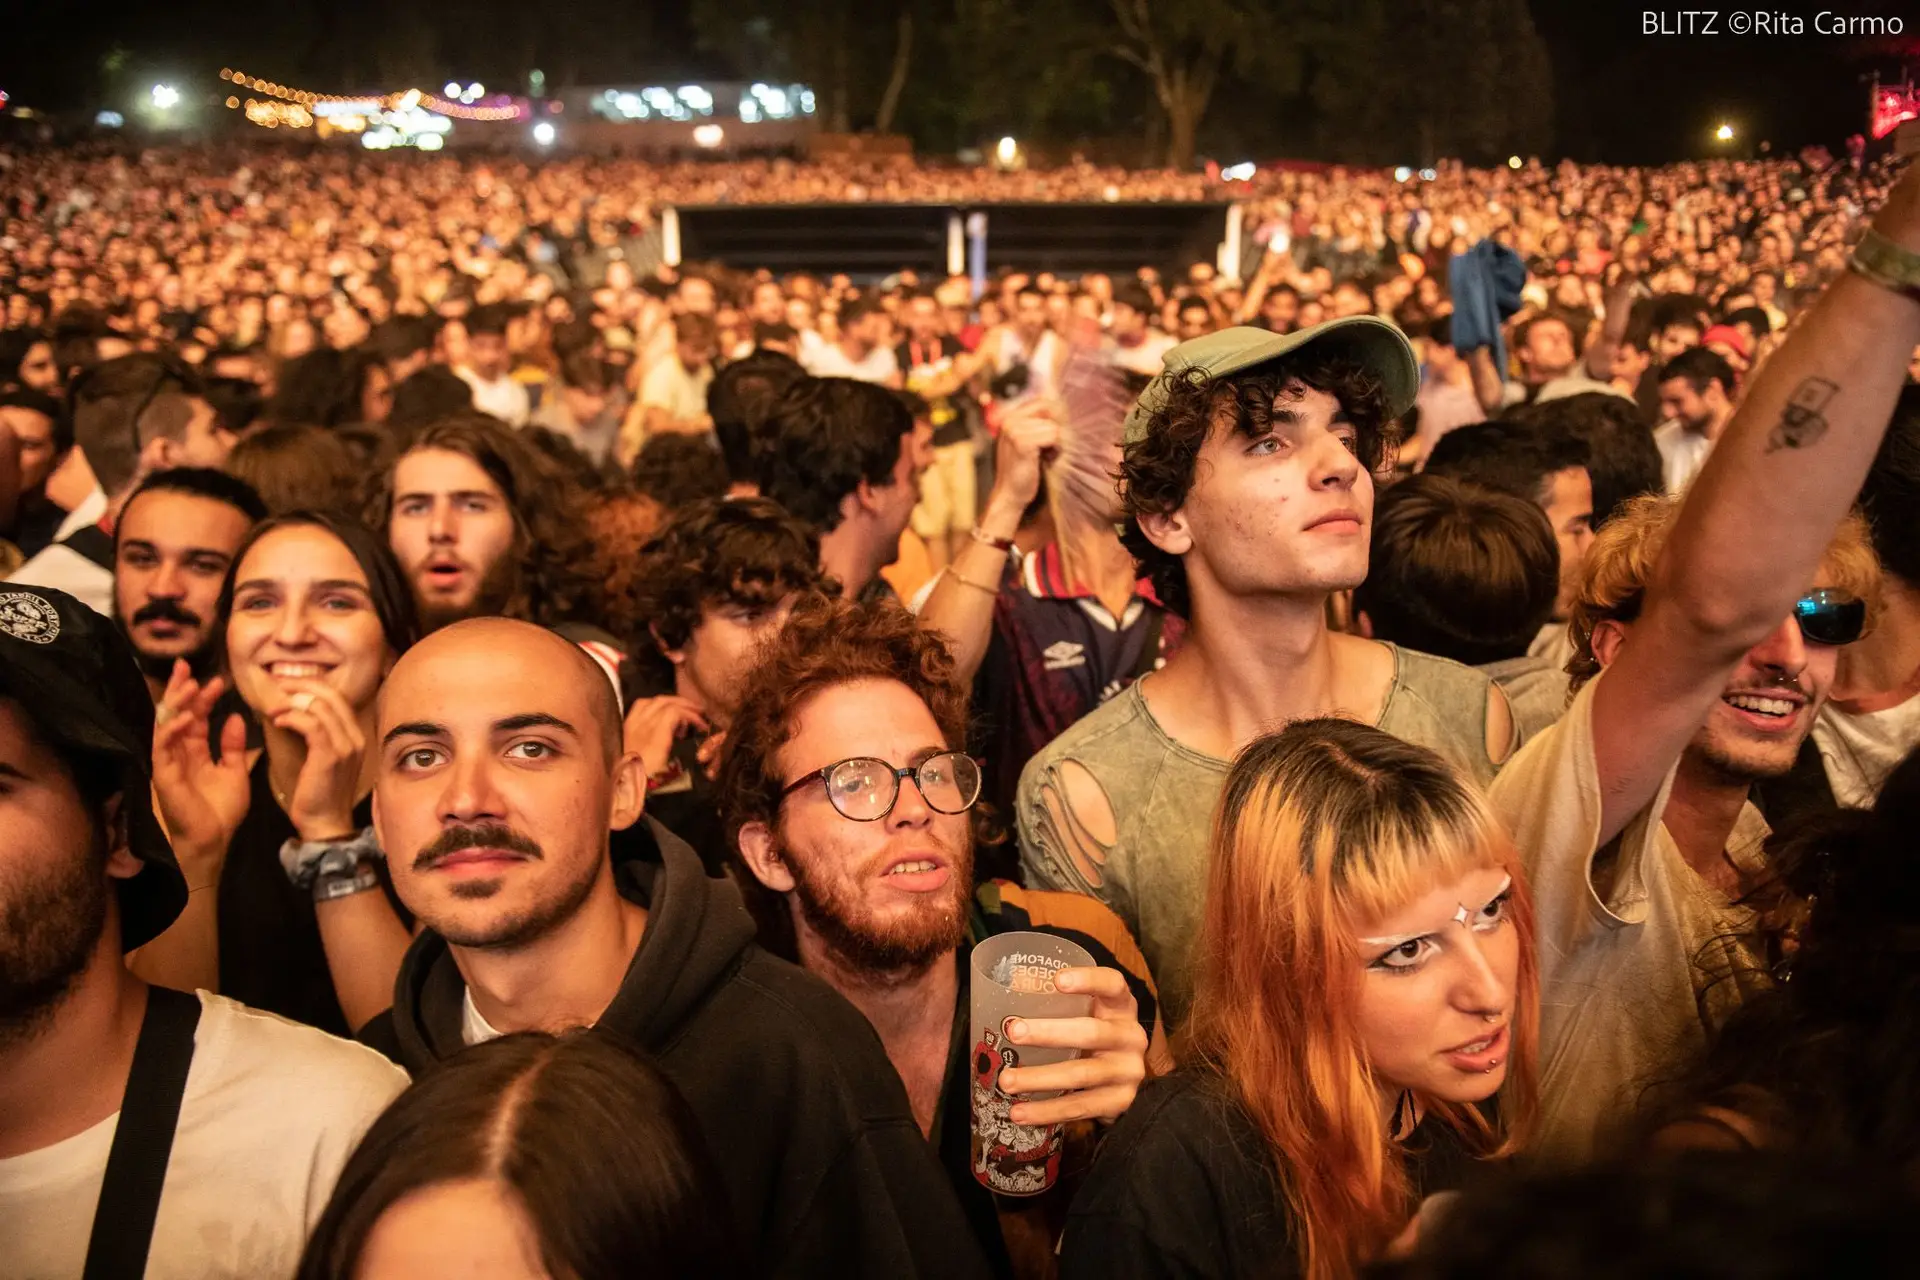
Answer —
828 641
742 551
1157 471
553 579
678 470
824 436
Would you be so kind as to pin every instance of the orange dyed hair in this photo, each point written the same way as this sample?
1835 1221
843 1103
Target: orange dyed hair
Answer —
1323 827
1623 557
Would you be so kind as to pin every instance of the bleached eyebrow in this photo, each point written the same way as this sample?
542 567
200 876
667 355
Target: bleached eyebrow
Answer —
1464 914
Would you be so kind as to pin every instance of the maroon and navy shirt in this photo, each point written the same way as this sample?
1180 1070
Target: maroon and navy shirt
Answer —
1055 655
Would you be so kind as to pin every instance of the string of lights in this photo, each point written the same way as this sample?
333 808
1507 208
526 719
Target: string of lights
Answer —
499 108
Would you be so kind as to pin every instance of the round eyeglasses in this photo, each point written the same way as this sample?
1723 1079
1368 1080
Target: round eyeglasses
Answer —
865 789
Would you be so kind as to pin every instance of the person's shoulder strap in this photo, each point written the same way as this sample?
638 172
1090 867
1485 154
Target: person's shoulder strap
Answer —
93 543
143 1140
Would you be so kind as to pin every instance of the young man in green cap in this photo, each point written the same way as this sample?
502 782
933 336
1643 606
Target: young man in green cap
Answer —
1248 488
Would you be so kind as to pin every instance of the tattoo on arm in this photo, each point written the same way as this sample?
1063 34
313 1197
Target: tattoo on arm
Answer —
1801 421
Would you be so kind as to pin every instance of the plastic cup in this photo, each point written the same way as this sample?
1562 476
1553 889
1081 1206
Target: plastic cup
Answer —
1013 978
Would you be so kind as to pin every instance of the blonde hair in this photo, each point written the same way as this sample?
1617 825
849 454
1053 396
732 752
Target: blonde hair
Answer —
1621 562
1323 826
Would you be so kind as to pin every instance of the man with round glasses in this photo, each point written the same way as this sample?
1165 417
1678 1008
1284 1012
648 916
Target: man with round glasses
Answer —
850 810
499 774
1706 639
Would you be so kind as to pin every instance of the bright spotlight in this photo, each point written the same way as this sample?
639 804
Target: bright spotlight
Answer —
1242 172
1402 174
1007 152
429 142
165 97
1724 133
1513 162
543 133
709 135
452 90
476 88
1428 175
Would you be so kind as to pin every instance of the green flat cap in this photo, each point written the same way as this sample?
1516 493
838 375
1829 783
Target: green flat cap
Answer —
1368 341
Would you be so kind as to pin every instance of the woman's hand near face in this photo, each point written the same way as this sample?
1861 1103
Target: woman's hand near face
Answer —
202 800
324 795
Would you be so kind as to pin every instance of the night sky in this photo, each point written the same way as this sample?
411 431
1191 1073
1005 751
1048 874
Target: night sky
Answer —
1621 96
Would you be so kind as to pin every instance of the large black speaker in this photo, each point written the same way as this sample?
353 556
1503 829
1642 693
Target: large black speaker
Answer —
860 239
872 240
1115 238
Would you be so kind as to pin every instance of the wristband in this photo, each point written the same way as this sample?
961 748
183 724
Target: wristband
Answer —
988 540
345 884
1886 264
306 861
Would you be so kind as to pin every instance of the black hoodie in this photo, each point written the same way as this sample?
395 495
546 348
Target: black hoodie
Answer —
826 1170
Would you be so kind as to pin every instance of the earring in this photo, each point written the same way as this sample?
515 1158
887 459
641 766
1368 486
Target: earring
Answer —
1402 1123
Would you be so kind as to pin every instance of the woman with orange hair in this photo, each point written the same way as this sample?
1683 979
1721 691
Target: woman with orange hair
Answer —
1366 982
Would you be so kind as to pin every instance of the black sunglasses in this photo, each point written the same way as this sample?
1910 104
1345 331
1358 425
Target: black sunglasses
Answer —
866 789
1830 617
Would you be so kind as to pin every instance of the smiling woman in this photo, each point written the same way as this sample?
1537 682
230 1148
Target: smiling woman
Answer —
1366 981
312 617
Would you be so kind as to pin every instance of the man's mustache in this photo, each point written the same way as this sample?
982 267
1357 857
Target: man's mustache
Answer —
165 610
487 835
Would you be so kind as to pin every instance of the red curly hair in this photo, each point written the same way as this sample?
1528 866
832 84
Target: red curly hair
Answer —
826 642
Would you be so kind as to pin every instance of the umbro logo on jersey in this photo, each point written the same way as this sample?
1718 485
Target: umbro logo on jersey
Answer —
1063 655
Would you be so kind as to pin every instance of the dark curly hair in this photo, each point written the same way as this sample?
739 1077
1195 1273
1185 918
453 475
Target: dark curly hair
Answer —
827 642
679 470
553 558
824 436
743 551
1157 471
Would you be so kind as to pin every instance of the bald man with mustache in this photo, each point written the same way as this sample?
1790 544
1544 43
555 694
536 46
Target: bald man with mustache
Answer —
500 778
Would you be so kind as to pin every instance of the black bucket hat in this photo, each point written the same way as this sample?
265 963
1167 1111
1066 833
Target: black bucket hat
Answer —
76 676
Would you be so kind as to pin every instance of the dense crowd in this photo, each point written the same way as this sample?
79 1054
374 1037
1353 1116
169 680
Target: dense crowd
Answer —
567 719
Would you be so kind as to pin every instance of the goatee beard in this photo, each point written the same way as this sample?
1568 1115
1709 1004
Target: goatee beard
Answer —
858 946
494 599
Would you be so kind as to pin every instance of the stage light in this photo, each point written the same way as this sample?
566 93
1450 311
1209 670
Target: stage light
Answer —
1724 133
709 135
1513 162
1242 172
1402 174
1007 151
543 133
1428 175
109 119
452 90
165 97
429 142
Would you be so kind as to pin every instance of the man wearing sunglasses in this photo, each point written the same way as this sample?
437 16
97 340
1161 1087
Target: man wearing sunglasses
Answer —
850 809
1707 636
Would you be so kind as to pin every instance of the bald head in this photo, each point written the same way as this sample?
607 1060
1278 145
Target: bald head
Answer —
501 654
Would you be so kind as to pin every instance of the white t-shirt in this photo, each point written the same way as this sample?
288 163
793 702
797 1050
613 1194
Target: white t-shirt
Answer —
1682 454
271 1112
1860 748
1145 356
504 397
827 360
1629 939
669 386
65 569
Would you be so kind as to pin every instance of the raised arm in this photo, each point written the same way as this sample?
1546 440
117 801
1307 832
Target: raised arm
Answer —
961 606
1758 519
